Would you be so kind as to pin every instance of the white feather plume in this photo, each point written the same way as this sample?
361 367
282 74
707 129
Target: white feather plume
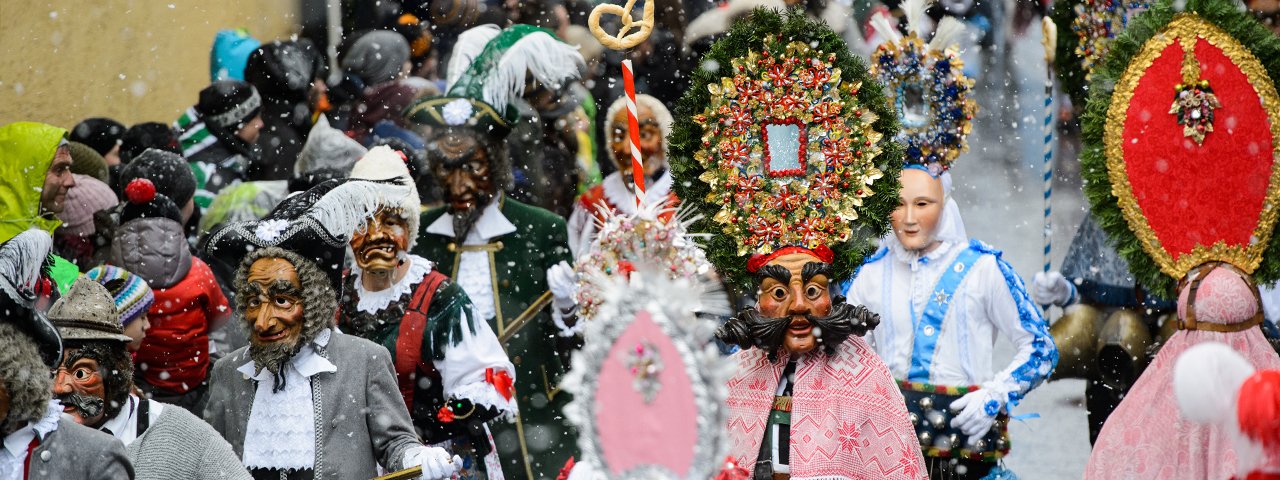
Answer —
914 11
884 25
948 33
469 45
21 259
348 207
1206 378
550 61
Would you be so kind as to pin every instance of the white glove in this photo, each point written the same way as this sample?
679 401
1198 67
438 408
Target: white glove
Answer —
436 462
978 411
1051 289
563 282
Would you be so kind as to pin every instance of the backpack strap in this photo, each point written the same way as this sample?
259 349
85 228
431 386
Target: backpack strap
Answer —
408 357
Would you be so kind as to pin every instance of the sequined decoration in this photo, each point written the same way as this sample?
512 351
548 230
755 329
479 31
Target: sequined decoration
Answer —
645 366
625 241
824 169
1194 101
932 96
1098 22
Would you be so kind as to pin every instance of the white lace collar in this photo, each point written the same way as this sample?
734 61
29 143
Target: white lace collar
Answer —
491 224
615 191
307 362
373 302
913 258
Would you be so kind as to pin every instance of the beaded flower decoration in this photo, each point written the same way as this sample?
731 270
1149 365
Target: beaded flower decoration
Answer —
1098 22
787 149
628 242
926 83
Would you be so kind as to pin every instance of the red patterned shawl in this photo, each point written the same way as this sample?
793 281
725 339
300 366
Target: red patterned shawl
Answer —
848 419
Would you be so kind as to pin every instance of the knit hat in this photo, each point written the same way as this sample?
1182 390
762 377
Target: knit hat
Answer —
377 56
327 148
168 171
86 161
21 260
383 163
133 297
231 49
144 202
89 196
147 135
228 104
87 312
100 134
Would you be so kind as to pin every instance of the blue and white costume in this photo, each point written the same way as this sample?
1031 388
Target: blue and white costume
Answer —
956 349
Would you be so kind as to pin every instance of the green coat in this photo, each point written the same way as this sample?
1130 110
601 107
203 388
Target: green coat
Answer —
26 151
519 270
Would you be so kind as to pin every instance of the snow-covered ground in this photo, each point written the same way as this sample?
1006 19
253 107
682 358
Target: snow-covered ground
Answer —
998 188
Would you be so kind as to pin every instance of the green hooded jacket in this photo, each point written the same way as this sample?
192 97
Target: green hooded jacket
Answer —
26 151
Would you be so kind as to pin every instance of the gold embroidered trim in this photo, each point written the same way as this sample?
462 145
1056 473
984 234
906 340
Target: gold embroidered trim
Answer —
1187 25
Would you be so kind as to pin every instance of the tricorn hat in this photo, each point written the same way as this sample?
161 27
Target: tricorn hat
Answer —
22 258
316 224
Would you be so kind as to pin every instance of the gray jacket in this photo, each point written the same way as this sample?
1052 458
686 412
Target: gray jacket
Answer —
180 446
361 418
78 452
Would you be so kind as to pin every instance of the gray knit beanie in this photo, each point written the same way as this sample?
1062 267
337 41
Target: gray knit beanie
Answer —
377 56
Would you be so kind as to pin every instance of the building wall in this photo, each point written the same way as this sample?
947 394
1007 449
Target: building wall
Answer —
132 60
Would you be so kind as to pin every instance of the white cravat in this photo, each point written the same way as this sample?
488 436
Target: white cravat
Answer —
281 432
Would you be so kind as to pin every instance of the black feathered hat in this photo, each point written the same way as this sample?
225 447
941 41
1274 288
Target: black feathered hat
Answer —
22 259
316 224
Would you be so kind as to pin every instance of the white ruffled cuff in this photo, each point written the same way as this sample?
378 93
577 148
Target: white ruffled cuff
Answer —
484 393
558 316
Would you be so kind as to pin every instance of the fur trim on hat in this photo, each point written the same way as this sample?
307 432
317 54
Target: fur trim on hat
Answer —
383 163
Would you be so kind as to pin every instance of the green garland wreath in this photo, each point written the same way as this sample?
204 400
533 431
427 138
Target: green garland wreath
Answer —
1246 29
749 35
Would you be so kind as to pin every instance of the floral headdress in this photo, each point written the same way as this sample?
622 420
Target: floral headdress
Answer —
1182 143
927 86
784 144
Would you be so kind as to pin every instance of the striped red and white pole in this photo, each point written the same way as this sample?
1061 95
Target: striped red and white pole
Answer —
633 130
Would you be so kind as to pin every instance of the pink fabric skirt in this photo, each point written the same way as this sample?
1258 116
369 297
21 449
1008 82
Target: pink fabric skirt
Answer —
1146 436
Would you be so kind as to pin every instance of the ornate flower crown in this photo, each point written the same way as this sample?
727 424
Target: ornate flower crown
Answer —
783 144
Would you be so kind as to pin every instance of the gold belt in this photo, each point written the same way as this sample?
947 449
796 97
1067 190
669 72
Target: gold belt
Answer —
782 403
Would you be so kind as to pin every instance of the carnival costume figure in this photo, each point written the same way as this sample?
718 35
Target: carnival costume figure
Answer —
452 372
617 193
1110 327
781 151
95 386
1186 195
304 400
510 258
942 297
39 442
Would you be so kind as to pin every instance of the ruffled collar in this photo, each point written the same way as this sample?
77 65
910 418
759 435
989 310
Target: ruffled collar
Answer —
615 191
914 259
373 302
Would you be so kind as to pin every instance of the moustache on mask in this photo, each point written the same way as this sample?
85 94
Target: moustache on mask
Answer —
751 329
86 406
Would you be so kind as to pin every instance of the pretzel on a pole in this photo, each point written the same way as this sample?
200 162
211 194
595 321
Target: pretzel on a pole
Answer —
624 41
